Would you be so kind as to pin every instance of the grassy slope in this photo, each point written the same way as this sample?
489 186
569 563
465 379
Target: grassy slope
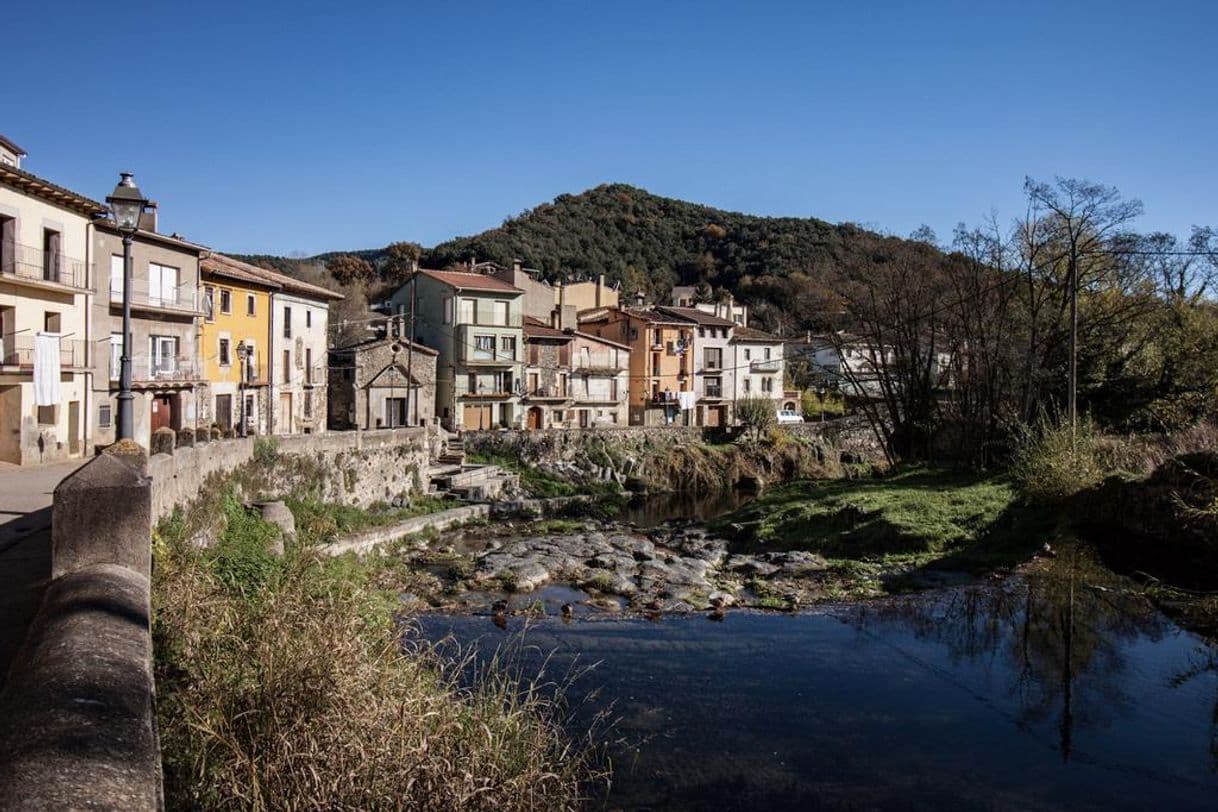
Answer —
920 515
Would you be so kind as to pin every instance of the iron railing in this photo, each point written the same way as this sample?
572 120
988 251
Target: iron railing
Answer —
18 351
28 262
170 369
183 297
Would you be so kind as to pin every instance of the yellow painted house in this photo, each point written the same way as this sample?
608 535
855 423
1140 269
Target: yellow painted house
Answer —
236 320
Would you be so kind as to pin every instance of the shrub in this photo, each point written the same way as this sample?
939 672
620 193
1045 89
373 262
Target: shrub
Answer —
266 450
1053 462
756 414
162 441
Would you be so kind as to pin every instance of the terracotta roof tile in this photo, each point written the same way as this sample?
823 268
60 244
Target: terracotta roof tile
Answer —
31 184
222 265
470 281
536 328
695 315
750 334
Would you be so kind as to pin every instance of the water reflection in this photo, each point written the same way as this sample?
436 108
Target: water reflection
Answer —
1051 692
657 508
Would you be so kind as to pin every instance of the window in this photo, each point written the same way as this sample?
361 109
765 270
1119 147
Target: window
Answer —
471 385
767 384
162 284
103 416
446 307
117 278
50 322
251 304
507 345
46 415
308 363
209 303
748 383
308 403
713 358
713 388
767 353
484 347
466 311
226 301
748 354
225 360
501 313
287 322
308 318
287 366
162 355
116 355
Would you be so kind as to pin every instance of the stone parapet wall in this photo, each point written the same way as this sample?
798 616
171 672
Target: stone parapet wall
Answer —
353 467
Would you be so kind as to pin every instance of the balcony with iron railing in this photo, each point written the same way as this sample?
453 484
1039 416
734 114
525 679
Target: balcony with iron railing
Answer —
469 352
549 392
488 388
182 299
29 265
18 351
158 370
765 365
600 362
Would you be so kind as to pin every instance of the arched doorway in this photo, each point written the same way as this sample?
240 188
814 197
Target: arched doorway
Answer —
789 406
534 418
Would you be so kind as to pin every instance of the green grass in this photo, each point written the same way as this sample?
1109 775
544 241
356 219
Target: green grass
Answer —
535 482
910 517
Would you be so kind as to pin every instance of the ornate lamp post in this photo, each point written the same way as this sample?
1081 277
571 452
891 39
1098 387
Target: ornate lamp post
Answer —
243 353
126 205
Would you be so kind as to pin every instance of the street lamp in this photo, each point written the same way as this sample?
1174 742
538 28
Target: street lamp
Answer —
243 353
126 205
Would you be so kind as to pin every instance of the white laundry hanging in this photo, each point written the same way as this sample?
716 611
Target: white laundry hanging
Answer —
686 400
46 369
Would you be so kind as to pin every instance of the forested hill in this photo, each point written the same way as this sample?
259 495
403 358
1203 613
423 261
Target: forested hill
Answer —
650 243
645 241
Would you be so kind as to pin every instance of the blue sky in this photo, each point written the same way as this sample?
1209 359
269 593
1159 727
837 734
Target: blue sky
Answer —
319 126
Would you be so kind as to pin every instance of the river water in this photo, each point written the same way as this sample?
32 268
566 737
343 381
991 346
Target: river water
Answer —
1054 691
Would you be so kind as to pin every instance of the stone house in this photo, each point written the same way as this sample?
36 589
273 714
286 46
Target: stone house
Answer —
382 382
46 239
165 318
547 373
474 321
299 346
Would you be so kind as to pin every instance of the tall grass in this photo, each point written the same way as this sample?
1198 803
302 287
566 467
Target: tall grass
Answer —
1054 462
283 684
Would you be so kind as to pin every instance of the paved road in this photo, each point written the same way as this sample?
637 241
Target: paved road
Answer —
25 547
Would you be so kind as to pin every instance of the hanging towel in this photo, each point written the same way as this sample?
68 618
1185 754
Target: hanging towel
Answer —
686 400
46 369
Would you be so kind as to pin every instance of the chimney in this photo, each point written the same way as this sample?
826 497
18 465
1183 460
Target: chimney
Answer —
640 298
556 318
562 293
600 289
516 265
148 218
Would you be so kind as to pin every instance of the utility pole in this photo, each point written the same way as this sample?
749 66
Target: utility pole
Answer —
410 353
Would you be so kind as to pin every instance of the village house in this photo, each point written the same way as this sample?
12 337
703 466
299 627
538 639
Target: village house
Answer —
547 395
757 361
234 345
299 346
382 382
46 235
841 361
599 382
728 308
714 372
475 322
661 386
165 315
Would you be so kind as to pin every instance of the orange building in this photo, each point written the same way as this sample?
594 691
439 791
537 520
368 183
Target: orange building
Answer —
661 361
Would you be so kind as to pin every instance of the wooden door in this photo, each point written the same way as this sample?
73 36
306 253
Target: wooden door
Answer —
477 416
534 417
224 411
162 412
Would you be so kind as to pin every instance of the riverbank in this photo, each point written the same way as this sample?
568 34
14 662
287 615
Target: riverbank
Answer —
282 680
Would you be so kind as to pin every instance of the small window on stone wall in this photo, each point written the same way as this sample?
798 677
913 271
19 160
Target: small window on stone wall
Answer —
103 416
46 415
